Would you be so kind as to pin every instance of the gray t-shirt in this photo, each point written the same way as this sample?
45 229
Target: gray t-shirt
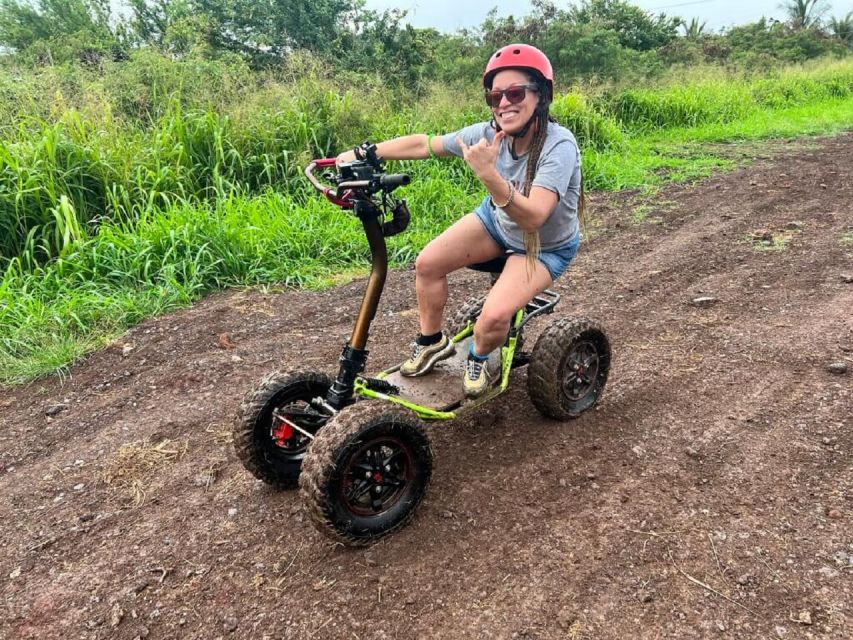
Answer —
559 169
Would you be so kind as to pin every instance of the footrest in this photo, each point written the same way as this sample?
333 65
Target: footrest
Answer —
381 386
542 303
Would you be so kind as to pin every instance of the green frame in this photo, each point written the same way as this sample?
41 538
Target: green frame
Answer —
507 355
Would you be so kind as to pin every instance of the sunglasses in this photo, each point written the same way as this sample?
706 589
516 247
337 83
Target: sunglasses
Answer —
514 94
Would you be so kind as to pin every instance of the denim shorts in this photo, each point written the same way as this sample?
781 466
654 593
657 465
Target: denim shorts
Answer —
555 260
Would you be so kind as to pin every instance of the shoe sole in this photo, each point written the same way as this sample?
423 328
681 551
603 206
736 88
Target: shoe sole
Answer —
479 393
473 394
448 352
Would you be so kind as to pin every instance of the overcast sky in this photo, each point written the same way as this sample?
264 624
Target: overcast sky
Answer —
450 15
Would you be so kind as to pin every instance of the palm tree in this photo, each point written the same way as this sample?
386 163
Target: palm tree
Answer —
805 13
694 30
842 28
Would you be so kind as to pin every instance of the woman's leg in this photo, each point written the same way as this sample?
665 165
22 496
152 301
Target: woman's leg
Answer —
463 243
514 289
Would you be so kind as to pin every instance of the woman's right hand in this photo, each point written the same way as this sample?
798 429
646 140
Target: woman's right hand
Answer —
346 156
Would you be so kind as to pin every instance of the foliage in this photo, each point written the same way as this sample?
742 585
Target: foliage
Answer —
172 26
404 55
599 40
765 44
805 14
635 28
56 30
694 29
842 28
262 33
592 129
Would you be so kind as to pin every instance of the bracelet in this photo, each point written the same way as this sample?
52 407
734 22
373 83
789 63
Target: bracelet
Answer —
429 147
508 199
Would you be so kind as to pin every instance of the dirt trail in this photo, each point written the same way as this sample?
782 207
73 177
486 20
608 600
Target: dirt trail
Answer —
709 495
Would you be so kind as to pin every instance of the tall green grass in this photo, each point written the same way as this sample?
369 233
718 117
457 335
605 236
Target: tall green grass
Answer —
717 97
106 219
61 178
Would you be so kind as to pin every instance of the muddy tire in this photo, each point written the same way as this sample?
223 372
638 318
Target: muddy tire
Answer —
568 368
269 448
366 472
466 312
469 311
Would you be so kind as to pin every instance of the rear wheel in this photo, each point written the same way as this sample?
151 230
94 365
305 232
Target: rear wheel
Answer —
366 472
268 431
568 367
466 313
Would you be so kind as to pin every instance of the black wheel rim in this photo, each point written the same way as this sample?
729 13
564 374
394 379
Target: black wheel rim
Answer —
377 476
580 372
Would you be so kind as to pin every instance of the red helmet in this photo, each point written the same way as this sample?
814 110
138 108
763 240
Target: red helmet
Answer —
520 56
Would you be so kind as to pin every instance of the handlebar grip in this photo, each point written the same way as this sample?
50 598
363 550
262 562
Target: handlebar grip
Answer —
394 180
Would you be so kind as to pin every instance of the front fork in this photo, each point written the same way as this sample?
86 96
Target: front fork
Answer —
354 357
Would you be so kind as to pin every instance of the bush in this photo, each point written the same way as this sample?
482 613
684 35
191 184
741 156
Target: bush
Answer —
678 106
591 128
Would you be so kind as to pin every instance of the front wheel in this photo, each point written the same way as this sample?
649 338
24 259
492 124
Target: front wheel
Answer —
568 368
366 472
270 430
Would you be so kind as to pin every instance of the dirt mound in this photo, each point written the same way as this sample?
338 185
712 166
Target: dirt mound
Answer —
709 495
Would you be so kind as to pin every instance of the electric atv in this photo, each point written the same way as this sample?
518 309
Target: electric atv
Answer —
357 445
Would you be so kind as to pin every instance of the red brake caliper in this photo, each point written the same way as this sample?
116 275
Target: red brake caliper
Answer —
282 433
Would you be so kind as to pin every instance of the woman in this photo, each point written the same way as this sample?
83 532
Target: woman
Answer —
530 167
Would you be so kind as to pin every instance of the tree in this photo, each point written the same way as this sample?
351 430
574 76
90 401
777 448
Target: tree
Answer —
635 28
58 29
805 14
766 43
262 31
173 26
265 31
382 43
842 28
694 30
498 32
584 50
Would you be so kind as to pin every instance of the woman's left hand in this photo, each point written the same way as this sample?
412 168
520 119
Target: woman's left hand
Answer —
481 157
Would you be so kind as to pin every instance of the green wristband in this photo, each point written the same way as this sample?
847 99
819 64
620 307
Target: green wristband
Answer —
429 147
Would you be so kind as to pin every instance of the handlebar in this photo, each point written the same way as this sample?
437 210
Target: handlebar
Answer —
325 163
342 195
394 180
358 182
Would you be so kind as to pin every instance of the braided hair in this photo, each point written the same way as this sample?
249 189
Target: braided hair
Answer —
539 123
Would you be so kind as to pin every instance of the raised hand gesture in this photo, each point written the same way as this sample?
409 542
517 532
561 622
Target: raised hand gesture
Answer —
481 157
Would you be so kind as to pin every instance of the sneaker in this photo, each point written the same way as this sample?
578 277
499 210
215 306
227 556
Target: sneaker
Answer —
424 357
480 375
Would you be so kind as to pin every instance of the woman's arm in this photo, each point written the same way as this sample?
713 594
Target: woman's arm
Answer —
531 211
411 147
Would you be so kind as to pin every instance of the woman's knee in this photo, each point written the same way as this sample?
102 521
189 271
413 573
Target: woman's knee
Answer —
430 265
494 319
426 265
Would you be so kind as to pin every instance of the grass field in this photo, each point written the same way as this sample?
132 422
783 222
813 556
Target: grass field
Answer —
106 220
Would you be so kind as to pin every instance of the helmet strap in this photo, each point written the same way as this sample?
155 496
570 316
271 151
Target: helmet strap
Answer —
524 131
520 134
543 104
